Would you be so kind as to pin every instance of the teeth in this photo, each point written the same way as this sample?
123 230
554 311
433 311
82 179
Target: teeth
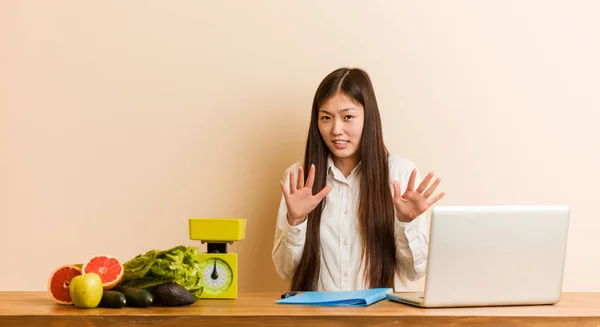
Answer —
340 142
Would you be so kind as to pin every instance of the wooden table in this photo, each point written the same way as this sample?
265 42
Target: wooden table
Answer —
258 309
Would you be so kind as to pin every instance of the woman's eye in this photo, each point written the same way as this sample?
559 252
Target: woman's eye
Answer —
325 118
348 117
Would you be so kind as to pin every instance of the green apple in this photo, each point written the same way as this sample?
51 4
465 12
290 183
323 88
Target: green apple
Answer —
86 290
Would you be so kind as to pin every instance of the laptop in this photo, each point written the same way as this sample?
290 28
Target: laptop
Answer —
493 256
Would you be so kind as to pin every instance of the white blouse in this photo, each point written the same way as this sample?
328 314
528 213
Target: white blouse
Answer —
342 267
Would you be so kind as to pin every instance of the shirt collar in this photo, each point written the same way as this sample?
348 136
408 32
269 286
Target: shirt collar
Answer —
331 168
330 164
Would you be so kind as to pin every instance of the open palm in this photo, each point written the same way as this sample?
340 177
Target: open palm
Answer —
413 202
300 200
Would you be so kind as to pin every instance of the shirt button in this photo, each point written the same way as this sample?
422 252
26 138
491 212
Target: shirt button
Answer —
345 212
345 243
345 274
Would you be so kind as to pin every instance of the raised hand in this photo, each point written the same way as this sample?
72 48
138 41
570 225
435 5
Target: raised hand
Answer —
413 202
299 200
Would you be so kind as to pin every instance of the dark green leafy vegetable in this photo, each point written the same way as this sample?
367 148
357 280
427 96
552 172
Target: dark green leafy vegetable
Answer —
179 264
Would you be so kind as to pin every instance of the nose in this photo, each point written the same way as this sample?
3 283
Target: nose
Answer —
337 127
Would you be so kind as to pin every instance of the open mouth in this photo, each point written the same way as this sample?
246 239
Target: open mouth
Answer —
340 144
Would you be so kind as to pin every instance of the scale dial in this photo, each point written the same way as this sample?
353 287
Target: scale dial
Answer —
216 275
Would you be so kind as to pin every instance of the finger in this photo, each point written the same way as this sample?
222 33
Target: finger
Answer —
324 192
431 189
411 180
311 176
283 189
436 198
396 189
424 183
300 177
292 183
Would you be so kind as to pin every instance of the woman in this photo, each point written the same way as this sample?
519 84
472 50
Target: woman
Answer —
351 226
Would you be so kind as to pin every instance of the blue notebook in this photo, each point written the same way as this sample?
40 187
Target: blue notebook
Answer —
343 298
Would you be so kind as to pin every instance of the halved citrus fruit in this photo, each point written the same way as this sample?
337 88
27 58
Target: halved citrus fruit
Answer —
59 281
107 267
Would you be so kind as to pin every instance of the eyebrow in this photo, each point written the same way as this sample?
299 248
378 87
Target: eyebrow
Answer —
343 110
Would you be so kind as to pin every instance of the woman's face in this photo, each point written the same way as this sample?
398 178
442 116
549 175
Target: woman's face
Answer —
341 124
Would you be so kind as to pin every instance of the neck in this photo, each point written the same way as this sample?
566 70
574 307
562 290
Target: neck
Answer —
345 165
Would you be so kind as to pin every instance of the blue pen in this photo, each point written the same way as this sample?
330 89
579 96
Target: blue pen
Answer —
288 294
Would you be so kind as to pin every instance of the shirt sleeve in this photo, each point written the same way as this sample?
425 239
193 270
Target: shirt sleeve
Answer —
412 247
289 240
412 241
